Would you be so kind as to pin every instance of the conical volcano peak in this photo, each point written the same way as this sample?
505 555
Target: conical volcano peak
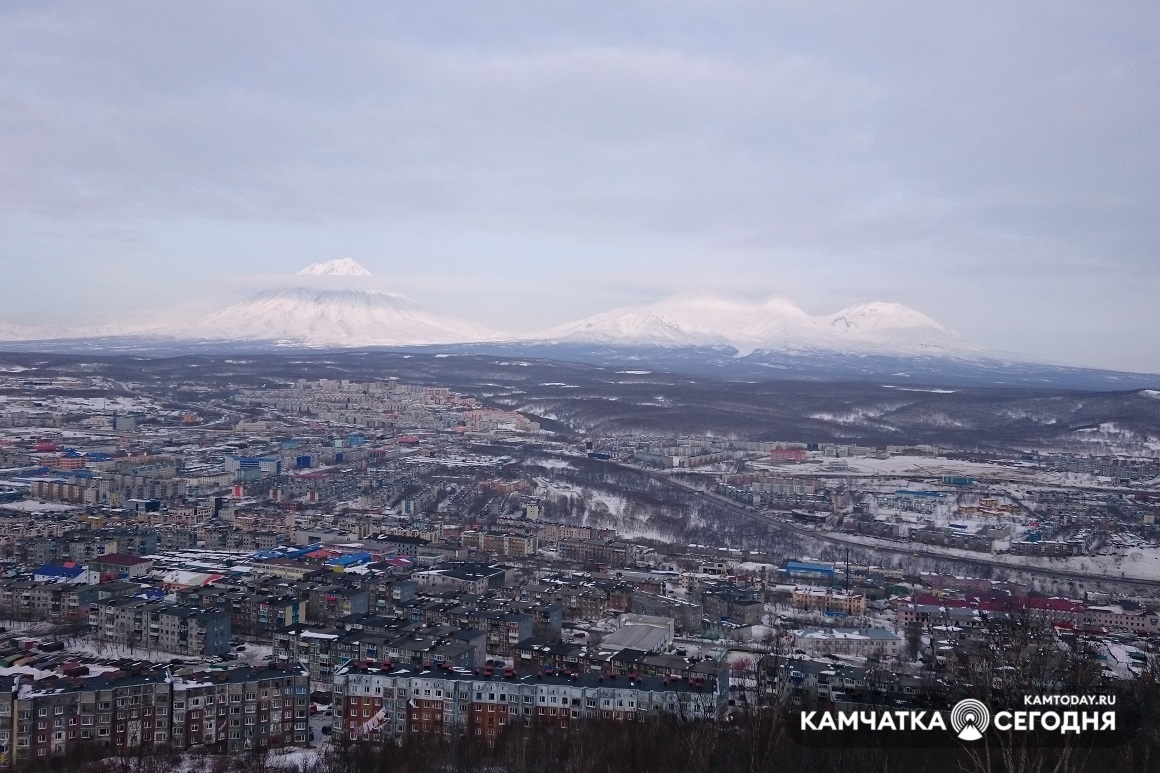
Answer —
339 267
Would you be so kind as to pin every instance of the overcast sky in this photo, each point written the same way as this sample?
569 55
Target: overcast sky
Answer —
994 165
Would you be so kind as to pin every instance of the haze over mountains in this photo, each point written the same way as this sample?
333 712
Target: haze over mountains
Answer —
339 318
330 305
324 314
776 324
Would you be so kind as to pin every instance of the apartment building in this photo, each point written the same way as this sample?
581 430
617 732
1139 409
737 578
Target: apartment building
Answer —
252 612
160 625
315 649
608 553
373 703
322 652
327 603
121 564
55 716
224 711
501 544
738 605
53 601
847 641
243 708
1125 616
464 576
828 601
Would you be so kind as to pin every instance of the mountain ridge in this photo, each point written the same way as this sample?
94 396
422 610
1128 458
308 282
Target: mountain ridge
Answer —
699 333
772 325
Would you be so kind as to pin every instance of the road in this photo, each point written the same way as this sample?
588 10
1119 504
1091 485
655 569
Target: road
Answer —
909 549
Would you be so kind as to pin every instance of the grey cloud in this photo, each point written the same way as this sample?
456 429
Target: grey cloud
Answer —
828 151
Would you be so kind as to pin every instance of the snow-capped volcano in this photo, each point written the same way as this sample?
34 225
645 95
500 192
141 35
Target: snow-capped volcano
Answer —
340 267
320 317
776 324
317 312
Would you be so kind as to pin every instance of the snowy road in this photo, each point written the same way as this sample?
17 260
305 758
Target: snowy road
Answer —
909 549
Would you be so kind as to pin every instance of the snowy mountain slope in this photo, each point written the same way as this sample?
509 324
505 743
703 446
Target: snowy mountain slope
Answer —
340 267
319 317
709 320
55 332
10 332
317 311
692 321
333 305
897 328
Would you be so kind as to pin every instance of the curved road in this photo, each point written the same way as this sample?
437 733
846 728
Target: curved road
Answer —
1063 574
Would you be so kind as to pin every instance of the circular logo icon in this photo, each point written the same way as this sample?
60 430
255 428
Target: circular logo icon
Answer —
970 719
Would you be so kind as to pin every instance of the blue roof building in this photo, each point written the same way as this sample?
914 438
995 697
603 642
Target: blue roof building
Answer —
807 568
67 571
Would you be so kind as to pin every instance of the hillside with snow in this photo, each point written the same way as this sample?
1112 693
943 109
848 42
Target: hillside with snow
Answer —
774 325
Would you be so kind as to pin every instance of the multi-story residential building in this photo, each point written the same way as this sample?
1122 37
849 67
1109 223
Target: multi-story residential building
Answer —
387 593
687 615
828 601
1124 616
606 552
57 715
462 576
374 703
501 544
322 652
847 641
57 602
161 625
82 546
252 612
121 564
243 708
1052 548
315 649
286 568
738 605
504 629
327 603
224 711
190 631
7 713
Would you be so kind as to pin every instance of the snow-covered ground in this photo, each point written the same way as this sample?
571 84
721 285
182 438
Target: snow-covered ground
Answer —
553 464
1139 563
904 467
